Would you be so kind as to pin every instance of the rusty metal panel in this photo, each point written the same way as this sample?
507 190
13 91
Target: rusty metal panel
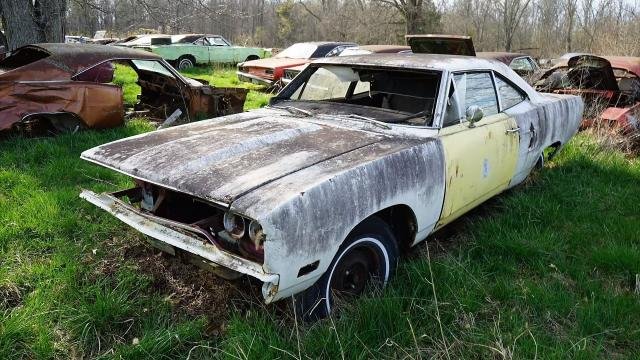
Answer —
99 105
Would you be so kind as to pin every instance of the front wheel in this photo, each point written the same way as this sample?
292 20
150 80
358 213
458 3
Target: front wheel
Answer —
185 62
367 258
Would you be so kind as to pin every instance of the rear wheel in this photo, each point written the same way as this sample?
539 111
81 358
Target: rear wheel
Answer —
366 259
186 62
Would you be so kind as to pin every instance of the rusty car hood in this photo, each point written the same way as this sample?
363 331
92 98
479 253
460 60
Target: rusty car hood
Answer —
222 159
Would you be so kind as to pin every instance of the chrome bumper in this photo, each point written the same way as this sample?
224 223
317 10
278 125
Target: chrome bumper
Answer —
191 244
246 77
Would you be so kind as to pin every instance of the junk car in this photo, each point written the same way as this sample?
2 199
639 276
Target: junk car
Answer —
268 71
65 87
357 158
292 72
185 51
609 85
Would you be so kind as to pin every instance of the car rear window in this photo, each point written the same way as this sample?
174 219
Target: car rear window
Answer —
23 57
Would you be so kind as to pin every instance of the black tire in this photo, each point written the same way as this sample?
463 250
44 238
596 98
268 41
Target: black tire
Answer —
368 257
252 57
185 62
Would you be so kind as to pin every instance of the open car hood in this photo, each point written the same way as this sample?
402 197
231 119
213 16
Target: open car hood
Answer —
441 44
222 159
586 72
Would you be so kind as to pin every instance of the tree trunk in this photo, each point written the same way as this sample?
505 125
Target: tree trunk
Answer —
28 22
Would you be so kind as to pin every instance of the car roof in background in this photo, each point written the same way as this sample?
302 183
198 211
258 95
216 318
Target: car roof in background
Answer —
73 58
384 48
502 56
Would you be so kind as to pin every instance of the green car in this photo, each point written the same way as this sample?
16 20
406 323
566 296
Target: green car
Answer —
186 51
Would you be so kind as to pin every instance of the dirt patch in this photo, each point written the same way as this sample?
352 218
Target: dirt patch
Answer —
10 296
191 290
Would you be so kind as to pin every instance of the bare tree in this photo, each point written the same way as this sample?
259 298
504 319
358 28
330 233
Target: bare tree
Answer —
413 12
27 22
511 12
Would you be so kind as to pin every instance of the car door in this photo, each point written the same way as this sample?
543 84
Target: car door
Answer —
219 50
480 157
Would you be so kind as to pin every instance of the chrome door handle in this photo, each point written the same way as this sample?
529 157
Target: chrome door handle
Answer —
511 131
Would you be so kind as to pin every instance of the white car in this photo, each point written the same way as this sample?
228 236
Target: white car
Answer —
356 158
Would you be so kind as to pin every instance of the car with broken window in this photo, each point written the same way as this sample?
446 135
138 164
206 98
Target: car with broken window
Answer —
66 87
356 159
188 50
268 71
291 73
609 85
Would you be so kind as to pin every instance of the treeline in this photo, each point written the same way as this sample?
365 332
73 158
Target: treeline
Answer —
543 27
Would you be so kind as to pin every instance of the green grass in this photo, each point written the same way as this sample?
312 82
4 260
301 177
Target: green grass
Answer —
126 77
547 269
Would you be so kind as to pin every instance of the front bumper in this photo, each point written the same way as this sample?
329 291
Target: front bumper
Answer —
168 235
246 77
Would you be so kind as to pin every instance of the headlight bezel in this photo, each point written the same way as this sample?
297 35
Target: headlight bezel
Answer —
234 224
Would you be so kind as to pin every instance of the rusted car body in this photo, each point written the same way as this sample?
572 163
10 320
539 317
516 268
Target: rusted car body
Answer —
268 71
70 86
291 73
609 85
355 158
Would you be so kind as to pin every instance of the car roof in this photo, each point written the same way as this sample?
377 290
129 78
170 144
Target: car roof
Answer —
73 58
416 61
384 48
432 62
502 56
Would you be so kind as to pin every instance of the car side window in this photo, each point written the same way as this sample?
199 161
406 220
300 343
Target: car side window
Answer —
452 114
216 41
200 42
477 88
521 64
509 95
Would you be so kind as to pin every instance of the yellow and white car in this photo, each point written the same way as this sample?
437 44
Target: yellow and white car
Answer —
356 158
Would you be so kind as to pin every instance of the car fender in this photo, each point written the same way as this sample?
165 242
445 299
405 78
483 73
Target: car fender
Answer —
307 215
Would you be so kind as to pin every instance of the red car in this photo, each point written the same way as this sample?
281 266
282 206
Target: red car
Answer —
268 71
609 85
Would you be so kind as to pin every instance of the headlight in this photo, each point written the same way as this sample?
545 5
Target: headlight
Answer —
234 225
255 233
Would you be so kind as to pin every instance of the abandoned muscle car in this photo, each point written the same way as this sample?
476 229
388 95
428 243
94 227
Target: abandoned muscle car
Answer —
356 158
609 85
185 51
66 87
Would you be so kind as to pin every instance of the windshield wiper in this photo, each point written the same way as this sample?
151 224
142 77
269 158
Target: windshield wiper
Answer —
292 109
369 120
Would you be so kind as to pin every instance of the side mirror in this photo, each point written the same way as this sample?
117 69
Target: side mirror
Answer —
474 114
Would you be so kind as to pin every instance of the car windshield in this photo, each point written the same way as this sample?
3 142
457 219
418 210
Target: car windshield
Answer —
387 95
298 51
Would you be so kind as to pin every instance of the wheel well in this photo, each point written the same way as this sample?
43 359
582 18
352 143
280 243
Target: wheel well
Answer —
402 222
252 57
552 150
